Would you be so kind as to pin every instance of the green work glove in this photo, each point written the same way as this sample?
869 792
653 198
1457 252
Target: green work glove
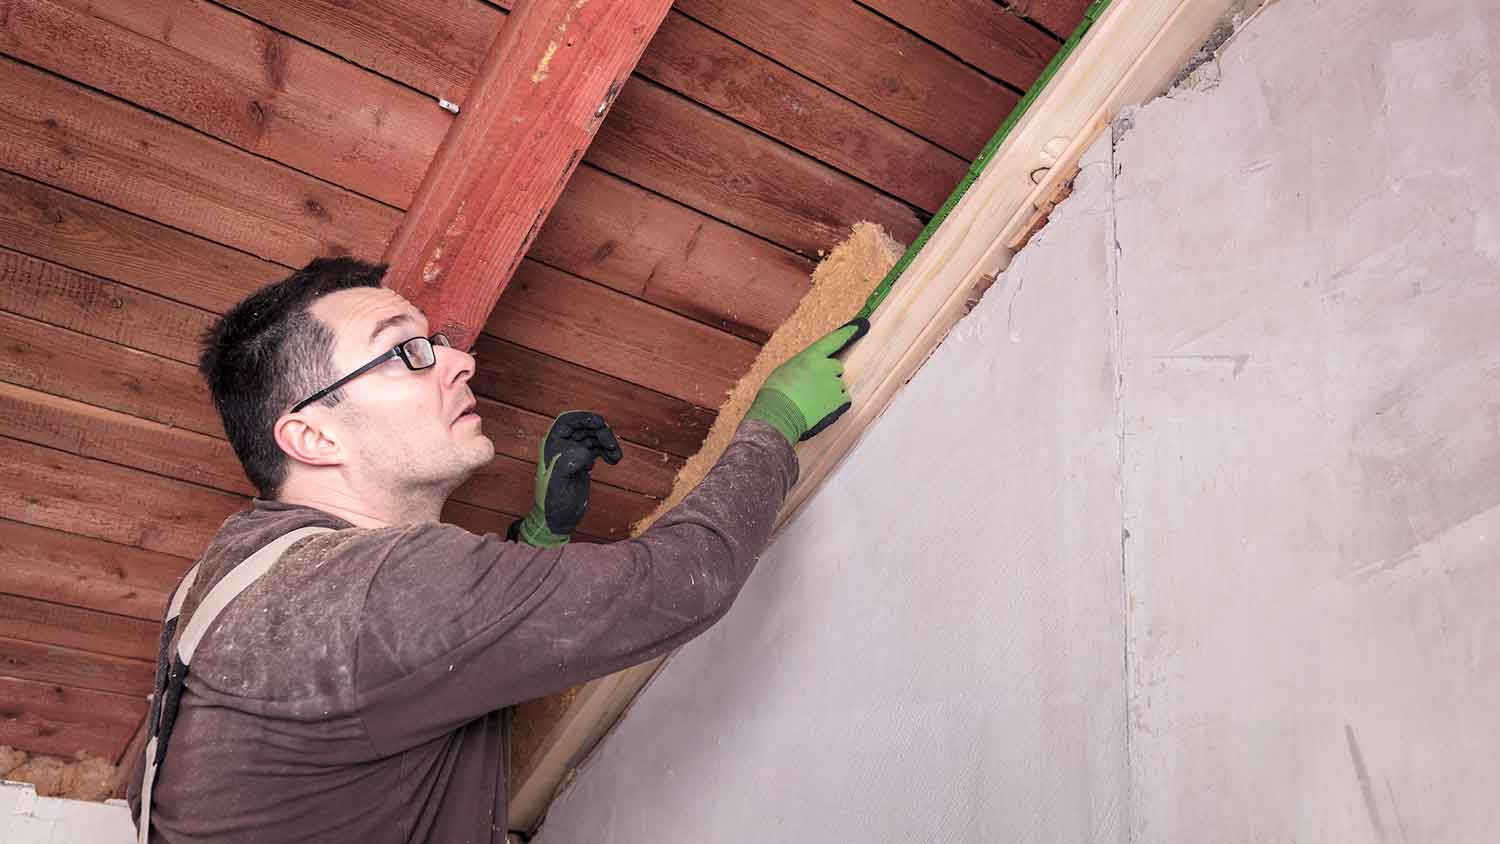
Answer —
564 460
806 394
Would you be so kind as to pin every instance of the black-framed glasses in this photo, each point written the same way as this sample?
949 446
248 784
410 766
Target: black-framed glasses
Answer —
417 353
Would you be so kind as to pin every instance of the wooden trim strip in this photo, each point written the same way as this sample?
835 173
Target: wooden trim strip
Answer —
1127 57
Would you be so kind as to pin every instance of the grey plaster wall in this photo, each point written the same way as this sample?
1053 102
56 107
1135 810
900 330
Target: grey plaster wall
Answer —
1187 534
1310 306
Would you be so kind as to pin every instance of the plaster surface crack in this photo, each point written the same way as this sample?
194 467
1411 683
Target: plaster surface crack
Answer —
1113 281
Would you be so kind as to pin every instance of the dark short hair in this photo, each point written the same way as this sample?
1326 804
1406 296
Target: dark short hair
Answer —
268 353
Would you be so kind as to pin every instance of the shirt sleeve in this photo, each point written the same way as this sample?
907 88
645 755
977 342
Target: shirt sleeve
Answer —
456 625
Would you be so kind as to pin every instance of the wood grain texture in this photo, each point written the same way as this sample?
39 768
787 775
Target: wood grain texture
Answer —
58 665
518 433
70 569
739 83
673 146
872 62
603 228
1061 17
97 239
56 132
66 363
684 56
594 709
506 484
981 32
59 720
392 37
241 82
32 620
532 110
103 309
569 317
434 46
549 386
50 488
610 231
133 748
120 438
503 489
481 520
100 308
173 453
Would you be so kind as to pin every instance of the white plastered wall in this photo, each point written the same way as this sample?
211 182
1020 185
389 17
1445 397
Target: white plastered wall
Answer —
1187 534
1310 307
26 818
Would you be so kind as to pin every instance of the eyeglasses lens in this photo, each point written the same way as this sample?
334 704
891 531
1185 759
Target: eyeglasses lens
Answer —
419 353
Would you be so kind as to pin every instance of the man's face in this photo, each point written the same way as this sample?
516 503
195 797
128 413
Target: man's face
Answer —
406 429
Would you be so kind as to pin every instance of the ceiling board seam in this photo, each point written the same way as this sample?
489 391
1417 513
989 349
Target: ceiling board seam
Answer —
191 431
202 134
920 212
825 87
106 656
1036 24
644 301
19 250
1008 85
434 97
92 539
149 220
498 338
209 486
119 465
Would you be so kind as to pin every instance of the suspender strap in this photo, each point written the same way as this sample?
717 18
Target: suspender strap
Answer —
172 664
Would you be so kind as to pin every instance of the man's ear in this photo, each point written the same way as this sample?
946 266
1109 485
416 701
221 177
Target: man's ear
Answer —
306 441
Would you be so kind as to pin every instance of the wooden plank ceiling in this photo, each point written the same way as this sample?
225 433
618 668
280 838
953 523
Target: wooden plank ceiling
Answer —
159 159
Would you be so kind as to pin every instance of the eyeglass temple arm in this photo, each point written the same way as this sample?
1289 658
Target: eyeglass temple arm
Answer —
342 381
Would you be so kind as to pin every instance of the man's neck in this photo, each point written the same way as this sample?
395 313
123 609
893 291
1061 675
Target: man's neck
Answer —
363 510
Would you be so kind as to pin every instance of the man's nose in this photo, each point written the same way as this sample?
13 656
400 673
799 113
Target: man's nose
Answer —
458 365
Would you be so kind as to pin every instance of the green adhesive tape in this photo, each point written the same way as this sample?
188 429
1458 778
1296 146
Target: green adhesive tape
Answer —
883 290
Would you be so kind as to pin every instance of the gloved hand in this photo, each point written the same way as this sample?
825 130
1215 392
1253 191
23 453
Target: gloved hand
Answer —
564 460
806 394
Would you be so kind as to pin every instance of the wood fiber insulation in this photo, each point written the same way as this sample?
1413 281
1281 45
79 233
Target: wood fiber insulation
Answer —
840 285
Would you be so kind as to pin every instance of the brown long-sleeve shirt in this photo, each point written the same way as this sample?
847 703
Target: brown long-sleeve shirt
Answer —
354 692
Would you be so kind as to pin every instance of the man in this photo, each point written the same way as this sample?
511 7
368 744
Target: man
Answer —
356 690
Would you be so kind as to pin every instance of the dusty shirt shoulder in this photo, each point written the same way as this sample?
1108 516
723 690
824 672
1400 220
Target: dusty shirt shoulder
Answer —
288 643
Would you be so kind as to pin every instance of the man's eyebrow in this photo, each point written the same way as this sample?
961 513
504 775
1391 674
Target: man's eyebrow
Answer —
387 323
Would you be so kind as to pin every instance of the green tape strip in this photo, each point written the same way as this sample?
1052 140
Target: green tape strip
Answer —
878 295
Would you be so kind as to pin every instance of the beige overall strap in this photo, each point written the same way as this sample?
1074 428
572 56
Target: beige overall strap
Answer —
227 589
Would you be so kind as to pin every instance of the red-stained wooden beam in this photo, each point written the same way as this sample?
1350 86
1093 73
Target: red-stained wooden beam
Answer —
538 99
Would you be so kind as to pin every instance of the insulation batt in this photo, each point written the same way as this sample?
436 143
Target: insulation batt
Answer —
840 285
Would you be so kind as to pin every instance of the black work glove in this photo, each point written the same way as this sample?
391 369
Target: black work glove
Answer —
564 460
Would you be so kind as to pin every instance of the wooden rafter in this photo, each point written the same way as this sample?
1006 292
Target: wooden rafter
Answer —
537 101
1128 57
